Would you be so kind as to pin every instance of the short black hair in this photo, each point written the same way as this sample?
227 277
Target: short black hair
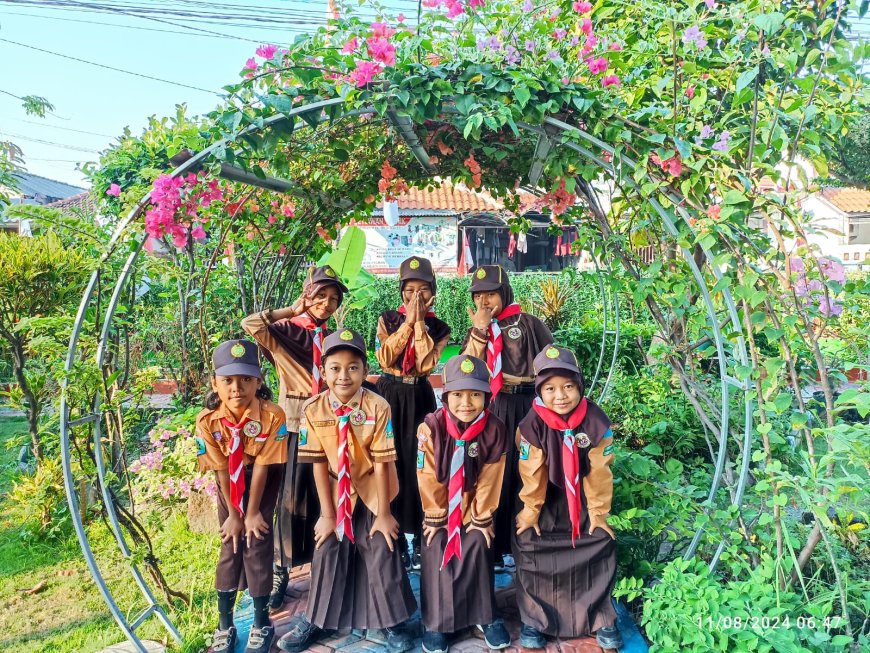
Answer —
213 401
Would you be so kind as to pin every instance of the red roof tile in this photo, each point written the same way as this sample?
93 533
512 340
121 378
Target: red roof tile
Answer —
447 197
80 202
848 200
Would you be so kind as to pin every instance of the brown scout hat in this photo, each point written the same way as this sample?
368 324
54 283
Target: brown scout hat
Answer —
417 268
236 358
345 339
487 278
553 361
324 275
466 372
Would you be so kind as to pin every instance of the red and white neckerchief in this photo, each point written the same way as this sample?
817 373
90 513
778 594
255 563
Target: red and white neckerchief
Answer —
409 361
237 464
343 525
307 322
494 346
456 483
570 464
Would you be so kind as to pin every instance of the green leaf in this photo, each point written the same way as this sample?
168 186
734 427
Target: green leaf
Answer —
522 95
746 78
770 23
347 259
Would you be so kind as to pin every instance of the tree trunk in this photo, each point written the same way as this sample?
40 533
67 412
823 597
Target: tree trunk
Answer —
18 361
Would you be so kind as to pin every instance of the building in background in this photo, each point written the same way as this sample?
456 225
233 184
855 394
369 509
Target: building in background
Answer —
841 221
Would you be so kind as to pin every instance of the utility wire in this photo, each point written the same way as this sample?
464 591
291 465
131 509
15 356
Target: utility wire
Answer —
100 65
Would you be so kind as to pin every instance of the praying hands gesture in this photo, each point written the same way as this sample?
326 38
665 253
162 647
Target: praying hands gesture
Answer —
417 307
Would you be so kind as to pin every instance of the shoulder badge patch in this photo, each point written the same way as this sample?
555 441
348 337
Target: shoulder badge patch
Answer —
421 458
281 434
524 449
389 429
608 449
200 446
303 436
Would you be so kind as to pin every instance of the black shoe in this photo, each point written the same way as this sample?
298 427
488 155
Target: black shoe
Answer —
531 637
609 637
224 641
280 580
403 549
498 567
302 633
260 639
496 635
398 639
434 642
415 558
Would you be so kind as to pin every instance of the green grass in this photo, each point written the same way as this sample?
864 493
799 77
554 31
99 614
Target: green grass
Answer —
68 614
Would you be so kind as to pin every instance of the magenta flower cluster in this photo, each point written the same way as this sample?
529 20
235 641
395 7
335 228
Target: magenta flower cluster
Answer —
175 204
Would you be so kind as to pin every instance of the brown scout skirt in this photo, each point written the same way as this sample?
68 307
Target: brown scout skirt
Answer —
249 567
298 511
564 591
462 594
359 585
409 405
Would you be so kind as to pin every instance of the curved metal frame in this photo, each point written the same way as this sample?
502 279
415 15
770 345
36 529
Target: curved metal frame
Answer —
66 424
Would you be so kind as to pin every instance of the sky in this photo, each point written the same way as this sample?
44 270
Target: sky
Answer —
158 38
93 104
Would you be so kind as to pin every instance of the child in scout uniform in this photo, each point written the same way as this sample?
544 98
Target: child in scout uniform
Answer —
357 576
292 338
564 548
507 339
410 342
460 466
240 436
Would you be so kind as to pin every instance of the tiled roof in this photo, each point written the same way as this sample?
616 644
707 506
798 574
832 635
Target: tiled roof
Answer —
80 202
848 200
36 187
447 197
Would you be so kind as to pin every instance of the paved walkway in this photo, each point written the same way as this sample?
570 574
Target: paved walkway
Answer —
467 642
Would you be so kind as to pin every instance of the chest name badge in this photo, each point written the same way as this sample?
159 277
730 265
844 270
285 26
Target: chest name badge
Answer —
252 429
323 422
582 440
515 333
473 450
216 435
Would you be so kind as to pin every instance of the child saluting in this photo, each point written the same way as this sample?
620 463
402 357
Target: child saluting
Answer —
357 576
240 436
564 548
460 466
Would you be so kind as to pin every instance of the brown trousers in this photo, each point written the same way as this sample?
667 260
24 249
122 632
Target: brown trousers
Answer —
250 566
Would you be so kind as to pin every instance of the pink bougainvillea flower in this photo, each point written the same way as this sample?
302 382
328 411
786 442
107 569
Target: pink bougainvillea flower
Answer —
690 92
351 46
714 211
198 233
582 7
586 26
710 3
271 219
454 8
616 47
833 270
474 4
693 35
597 66
382 31
559 33
364 72
381 50
266 51
431 4
114 190
611 80
250 64
401 18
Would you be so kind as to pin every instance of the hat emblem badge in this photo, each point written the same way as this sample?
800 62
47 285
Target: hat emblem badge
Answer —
481 273
467 366
414 264
329 272
237 350
346 335
552 353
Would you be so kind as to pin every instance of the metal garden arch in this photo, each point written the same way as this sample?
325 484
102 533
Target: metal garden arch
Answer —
550 134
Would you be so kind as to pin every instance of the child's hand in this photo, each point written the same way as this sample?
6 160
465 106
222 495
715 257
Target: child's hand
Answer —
304 301
387 526
232 529
429 532
411 310
488 533
600 521
481 319
523 524
255 526
422 306
324 527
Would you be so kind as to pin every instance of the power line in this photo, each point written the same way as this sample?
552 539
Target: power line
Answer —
65 146
68 129
100 65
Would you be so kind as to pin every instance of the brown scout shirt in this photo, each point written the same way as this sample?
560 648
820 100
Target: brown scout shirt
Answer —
264 448
478 504
597 484
368 443
391 347
523 336
294 378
